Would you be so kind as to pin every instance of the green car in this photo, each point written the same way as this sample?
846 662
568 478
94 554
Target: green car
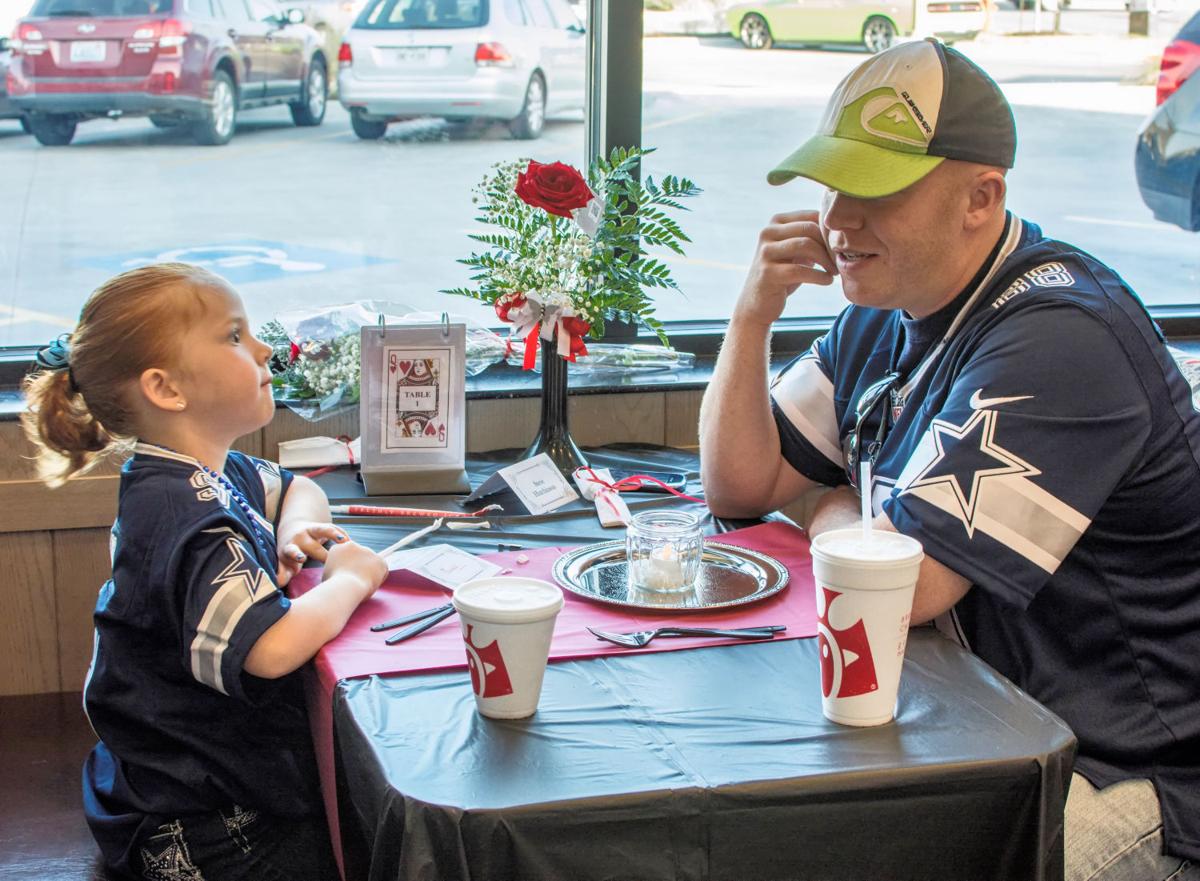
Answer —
874 24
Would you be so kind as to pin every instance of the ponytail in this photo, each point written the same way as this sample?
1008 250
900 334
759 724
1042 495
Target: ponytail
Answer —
84 403
68 437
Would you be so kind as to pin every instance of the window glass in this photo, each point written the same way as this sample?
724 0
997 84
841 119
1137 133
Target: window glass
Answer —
513 12
105 8
539 14
234 10
261 10
563 13
377 206
198 8
1088 170
424 14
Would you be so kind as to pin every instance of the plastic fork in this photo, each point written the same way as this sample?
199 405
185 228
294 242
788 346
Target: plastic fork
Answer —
639 638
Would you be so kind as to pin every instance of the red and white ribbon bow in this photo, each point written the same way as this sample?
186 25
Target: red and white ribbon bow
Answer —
532 318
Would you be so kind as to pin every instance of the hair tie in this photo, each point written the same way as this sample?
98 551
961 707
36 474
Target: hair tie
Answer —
57 356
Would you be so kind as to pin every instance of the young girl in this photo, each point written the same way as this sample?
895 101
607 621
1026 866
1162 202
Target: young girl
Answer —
204 769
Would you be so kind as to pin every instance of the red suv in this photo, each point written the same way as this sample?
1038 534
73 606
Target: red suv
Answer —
180 62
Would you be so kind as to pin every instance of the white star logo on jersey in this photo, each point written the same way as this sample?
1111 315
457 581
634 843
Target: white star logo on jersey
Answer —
968 470
245 571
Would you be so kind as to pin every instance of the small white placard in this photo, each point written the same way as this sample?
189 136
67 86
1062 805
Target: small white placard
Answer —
539 484
442 564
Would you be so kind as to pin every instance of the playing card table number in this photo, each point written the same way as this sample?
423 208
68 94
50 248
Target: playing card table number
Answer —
412 408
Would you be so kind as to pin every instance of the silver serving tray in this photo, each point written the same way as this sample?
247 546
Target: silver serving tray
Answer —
729 576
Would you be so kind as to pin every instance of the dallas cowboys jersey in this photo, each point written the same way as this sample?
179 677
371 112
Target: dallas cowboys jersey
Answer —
182 727
1046 449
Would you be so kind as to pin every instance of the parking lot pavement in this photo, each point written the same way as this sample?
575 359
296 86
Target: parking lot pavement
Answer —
313 216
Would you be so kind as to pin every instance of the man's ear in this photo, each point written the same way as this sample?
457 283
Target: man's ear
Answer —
986 198
160 390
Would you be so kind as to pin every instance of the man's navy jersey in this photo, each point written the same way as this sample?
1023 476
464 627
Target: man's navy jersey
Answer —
1046 449
182 727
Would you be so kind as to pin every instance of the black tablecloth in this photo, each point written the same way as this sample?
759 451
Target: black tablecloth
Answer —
704 764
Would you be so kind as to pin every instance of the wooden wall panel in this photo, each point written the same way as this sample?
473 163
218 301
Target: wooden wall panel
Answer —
28 640
81 566
603 419
502 423
683 418
29 506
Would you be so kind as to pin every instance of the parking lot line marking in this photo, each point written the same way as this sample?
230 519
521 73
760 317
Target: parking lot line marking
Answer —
1105 221
10 315
237 153
688 117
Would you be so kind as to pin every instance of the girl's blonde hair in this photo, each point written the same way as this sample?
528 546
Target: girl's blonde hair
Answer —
76 416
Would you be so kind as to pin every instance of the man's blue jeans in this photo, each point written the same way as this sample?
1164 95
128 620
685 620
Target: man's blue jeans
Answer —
1115 834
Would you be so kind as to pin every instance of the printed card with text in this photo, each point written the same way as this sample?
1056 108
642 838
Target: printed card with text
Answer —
417 403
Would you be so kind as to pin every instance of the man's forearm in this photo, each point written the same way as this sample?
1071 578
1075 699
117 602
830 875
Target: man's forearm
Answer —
739 442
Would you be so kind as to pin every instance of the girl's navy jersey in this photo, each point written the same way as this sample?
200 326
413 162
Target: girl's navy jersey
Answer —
1047 449
183 728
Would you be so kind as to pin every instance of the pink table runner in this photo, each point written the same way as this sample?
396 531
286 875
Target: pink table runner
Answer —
359 652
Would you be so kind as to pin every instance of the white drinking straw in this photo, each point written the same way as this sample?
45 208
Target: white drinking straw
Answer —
410 538
864 483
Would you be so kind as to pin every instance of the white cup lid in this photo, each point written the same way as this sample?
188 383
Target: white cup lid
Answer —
883 549
508 600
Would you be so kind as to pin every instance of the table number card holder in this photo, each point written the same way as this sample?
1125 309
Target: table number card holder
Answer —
412 408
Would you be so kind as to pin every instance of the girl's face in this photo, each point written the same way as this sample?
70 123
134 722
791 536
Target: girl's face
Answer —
224 375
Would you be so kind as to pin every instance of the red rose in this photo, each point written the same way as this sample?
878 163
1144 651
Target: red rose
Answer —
507 302
293 353
556 188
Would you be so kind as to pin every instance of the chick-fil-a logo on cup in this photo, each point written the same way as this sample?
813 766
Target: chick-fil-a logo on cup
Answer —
847 668
489 676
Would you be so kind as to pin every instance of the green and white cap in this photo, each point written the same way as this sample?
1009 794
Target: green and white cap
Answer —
897 116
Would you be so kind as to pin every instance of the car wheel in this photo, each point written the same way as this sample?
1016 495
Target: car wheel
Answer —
529 123
310 110
755 33
220 113
367 129
52 129
163 121
878 34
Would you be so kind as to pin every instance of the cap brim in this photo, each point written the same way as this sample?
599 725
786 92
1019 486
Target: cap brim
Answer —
854 167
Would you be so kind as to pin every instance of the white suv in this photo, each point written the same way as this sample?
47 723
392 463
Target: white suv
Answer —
511 60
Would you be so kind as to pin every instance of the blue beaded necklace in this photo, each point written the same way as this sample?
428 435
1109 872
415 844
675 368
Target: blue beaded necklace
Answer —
234 493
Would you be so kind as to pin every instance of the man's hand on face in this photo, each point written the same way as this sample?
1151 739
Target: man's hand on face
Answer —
791 252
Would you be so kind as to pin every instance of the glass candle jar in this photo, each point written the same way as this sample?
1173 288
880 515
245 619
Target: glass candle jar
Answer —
663 549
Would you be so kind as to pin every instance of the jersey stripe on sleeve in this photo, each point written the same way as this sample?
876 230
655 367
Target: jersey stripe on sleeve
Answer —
237 587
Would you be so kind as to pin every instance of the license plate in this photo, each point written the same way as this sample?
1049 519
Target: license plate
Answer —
412 56
87 50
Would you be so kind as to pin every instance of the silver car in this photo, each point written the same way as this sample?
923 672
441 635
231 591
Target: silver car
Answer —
511 60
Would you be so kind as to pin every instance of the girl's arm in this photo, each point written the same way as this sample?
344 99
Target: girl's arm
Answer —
352 574
304 527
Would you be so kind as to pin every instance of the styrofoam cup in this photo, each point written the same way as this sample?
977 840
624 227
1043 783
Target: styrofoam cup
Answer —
507 625
864 601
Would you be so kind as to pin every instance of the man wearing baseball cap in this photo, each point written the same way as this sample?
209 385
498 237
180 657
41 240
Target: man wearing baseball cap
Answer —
1024 420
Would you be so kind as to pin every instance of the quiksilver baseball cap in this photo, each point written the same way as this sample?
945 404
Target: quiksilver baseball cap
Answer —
899 115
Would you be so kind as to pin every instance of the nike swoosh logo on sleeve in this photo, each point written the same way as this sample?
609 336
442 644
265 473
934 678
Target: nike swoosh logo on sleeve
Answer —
978 402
